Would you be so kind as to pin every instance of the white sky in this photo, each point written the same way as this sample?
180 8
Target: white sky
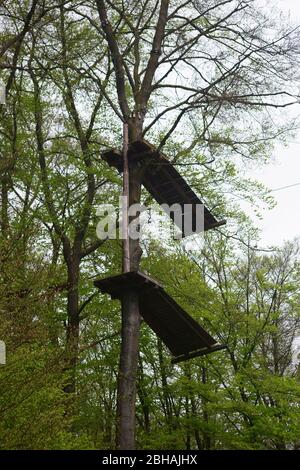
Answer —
282 222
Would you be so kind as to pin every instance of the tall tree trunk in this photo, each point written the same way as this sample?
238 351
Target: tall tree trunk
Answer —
131 321
130 301
128 371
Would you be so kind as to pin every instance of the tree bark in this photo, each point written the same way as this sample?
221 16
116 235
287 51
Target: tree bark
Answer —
131 321
128 371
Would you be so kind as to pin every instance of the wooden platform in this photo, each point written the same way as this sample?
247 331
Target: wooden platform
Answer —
183 336
163 182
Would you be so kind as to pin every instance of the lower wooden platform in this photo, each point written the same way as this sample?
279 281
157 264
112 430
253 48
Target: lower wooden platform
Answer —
183 336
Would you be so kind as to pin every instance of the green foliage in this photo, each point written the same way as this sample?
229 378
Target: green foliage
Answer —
246 397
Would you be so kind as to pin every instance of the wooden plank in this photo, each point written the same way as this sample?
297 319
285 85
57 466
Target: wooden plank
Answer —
179 331
199 353
162 180
114 158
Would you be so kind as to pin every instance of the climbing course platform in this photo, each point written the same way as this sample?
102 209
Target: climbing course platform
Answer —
183 336
163 182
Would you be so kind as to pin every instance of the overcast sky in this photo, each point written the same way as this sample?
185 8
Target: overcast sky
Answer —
283 222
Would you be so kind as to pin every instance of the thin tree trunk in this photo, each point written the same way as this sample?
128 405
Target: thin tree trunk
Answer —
188 427
142 393
72 340
165 388
4 207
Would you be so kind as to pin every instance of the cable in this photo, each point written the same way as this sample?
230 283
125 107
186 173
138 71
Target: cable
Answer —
285 187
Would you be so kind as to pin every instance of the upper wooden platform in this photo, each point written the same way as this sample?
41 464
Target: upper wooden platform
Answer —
184 337
164 183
